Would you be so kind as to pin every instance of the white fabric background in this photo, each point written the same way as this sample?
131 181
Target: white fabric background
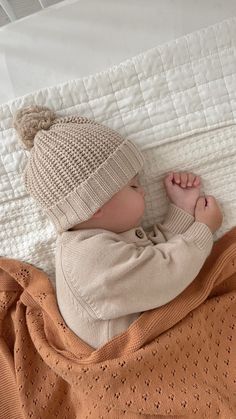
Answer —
177 102
80 37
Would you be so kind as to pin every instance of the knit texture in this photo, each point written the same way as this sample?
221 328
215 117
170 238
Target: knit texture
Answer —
75 166
129 272
174 361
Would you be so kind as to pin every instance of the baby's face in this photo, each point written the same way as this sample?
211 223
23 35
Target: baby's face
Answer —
126 208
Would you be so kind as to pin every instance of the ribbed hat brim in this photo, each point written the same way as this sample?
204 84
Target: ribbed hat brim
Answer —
80 204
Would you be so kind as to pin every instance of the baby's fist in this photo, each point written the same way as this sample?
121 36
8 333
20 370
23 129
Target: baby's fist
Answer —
183 189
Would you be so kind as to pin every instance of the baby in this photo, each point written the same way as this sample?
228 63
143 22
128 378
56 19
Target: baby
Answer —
108 268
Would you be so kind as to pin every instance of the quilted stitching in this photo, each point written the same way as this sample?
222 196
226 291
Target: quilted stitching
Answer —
175 101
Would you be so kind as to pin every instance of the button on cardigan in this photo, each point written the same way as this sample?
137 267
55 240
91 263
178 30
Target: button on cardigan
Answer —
105 280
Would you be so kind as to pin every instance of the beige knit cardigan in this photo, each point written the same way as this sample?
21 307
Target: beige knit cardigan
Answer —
178 360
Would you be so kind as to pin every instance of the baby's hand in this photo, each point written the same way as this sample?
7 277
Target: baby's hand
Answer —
183 189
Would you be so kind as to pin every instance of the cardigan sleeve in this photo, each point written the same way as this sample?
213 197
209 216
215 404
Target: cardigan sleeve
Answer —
116 278
176 221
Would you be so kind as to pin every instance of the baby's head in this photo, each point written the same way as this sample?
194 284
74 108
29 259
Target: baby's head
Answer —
122 212
82 173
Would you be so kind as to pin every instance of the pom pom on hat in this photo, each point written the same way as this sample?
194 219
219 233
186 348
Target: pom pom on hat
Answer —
29 120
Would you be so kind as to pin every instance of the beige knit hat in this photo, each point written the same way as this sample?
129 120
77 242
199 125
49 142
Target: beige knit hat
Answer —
75 166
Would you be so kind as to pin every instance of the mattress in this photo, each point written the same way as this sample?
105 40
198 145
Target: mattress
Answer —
77 38
176 101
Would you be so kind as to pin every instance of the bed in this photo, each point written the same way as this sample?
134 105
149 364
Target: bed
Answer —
175 100
80 37
31 63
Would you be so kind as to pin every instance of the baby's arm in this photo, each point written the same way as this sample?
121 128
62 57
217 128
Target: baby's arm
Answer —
177 221
118 278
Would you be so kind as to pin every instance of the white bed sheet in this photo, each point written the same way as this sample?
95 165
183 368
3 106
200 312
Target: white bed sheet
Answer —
177 102
80 37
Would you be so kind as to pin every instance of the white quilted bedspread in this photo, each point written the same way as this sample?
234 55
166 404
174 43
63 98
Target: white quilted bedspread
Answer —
177 102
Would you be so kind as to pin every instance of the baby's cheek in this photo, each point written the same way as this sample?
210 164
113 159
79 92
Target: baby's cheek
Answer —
141 204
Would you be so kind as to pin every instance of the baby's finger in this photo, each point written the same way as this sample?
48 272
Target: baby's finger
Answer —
177 177
197 181
184 179
168 179
169 176
191 178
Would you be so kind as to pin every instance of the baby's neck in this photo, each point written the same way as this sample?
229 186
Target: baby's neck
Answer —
91 223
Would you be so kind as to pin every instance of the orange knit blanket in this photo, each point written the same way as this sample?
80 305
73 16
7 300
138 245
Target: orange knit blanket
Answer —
178 360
